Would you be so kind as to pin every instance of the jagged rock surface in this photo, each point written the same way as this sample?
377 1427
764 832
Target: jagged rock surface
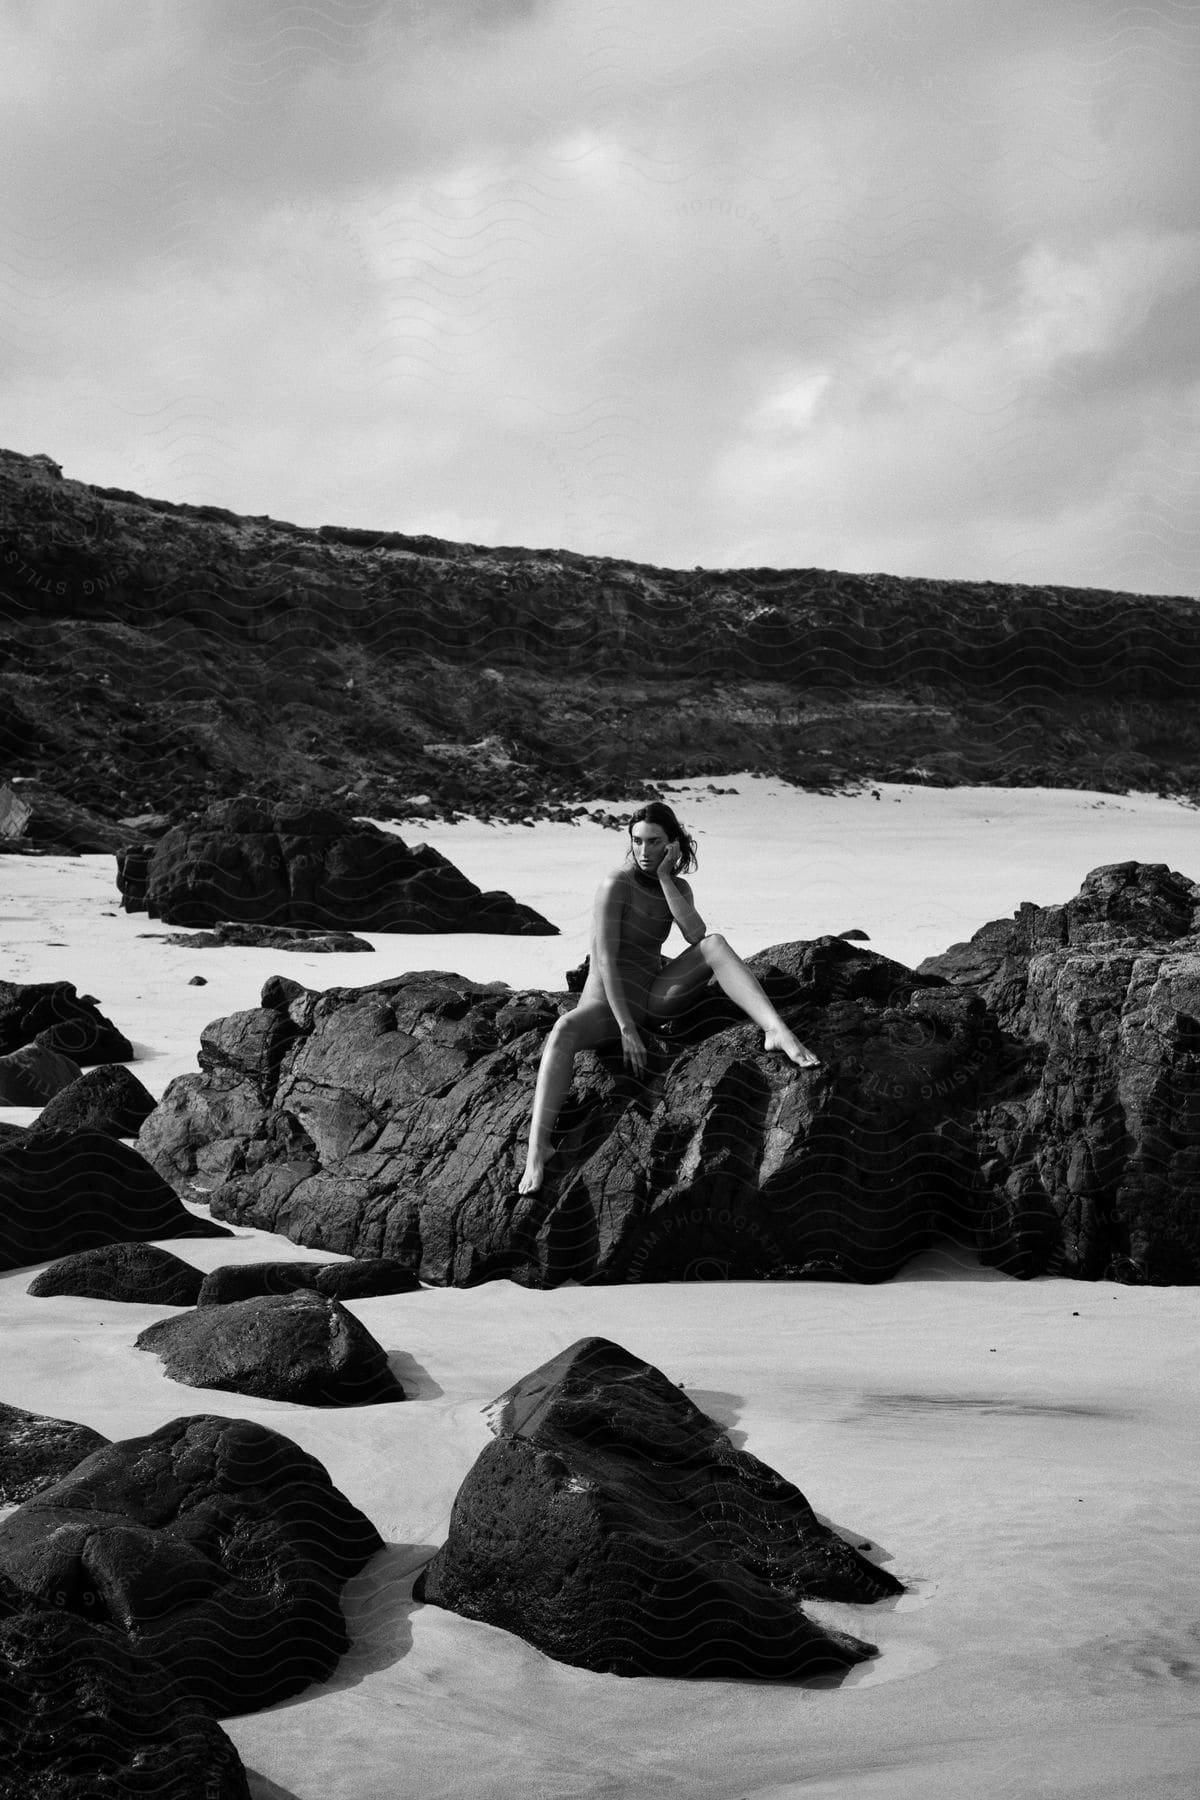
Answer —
1092 1164
37 1450
390 1121
143 1274
215 1545
303 866
62 1191
613 1525
303 1347
1033 1096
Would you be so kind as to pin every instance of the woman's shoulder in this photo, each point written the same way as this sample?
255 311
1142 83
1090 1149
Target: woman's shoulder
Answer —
616 881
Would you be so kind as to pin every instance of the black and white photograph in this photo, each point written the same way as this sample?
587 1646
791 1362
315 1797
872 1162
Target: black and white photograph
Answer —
599 900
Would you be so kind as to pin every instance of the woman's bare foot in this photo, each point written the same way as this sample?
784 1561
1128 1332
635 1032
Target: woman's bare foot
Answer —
782 1039
531 1180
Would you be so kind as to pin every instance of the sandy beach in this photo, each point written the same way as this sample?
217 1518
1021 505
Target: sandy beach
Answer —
1022 1456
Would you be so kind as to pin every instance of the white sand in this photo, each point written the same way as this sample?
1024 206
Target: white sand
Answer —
1024 1454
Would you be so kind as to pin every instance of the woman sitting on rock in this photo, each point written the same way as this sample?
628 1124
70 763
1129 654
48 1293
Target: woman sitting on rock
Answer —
630 985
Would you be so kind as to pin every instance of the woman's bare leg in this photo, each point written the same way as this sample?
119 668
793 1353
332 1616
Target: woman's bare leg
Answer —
712 958
591 1023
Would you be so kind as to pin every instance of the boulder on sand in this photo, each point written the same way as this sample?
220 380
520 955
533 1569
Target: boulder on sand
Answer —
270 864
230 935
34 1074
614 1525
85 1715
36 1451
215 1545
141 1273
73 1190
108 1098
358 1279
60 1019
301 1347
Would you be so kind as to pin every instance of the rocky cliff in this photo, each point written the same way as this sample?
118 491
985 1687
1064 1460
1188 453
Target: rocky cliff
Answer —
153 655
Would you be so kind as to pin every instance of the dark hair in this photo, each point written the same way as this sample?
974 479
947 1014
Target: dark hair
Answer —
656 812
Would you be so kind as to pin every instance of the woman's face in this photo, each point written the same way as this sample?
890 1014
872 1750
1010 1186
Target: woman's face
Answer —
650 843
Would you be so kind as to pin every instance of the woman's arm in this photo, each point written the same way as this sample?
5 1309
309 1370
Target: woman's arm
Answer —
678 896
606 939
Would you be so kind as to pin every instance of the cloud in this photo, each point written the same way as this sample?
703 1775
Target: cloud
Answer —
885 284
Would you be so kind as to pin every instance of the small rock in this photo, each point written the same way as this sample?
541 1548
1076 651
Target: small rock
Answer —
141 1273
300 1347
108 1098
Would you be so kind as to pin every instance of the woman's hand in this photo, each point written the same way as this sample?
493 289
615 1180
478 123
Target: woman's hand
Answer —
633 1050
671 858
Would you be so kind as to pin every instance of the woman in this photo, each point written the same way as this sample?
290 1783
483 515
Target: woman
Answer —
629 985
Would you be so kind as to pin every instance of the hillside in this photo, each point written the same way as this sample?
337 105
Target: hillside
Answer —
154 656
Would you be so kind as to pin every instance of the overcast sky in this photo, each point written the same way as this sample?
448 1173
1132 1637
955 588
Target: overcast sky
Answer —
901 285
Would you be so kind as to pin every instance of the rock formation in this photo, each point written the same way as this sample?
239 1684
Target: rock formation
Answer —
390 1120
154 650
108 1098
301 866
359 1279
33 1075
216 1546
613 1525
85 1715
74 1190
230 935
36 1451
1090 1163
1030 1097
302 1347
52 1014
141 1274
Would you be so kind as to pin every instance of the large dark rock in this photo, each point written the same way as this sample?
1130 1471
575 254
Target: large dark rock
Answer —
59 1019
34 1074
65 1191
36 1451
1090 1165
1031 1095
215 1545
359 1279
614 1525
391 1121
301 1347
86 1715
142 1273
247 860
109 1098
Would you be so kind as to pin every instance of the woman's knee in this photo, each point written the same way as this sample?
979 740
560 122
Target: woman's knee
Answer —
712 945
563 1034
575 1031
